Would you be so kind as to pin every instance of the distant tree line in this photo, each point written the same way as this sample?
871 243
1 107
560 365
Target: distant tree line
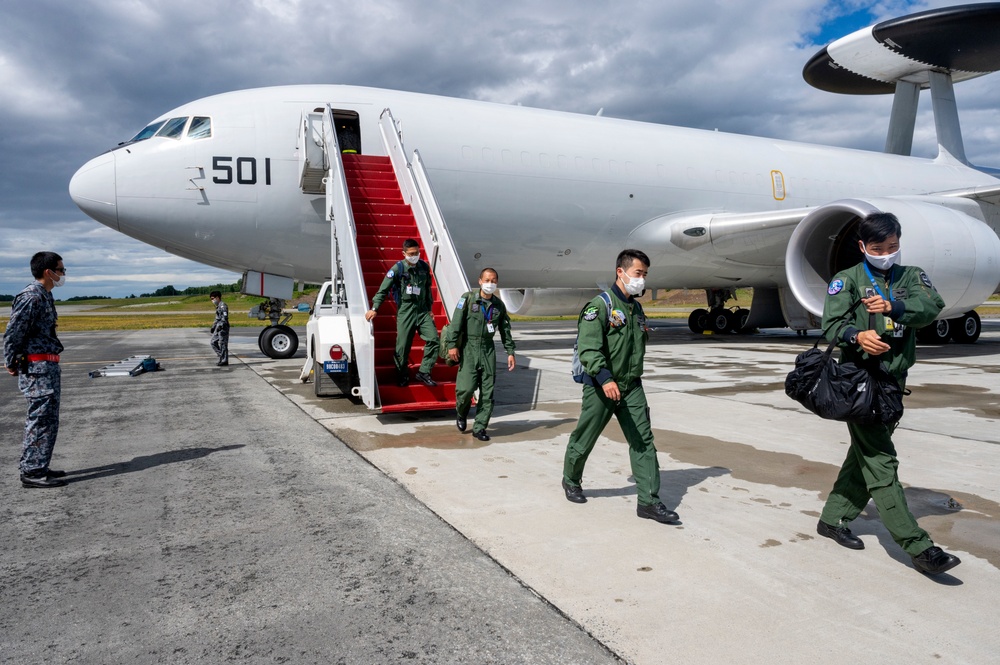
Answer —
4 298
194 290
88 298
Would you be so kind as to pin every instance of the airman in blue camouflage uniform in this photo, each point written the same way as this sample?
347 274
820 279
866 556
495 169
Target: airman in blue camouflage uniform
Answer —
220 329
31 352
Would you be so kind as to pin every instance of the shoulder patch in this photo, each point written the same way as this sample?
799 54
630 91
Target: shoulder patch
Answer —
836 286
390 274
461 303
590 313
926 280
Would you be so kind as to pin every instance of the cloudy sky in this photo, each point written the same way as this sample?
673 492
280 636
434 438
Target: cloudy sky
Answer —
78 77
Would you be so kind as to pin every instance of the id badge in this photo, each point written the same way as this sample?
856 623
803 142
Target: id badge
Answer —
490 328
409 289
898 330
415 290
889 324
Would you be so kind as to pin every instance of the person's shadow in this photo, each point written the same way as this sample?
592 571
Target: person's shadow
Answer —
144 462
674 484
921 503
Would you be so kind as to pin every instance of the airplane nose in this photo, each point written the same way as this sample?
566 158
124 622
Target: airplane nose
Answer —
92 188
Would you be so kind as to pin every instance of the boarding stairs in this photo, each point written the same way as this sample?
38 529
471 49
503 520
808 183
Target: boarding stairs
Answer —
375 203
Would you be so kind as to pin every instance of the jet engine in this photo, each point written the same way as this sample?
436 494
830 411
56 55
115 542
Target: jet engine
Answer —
546 302
945 236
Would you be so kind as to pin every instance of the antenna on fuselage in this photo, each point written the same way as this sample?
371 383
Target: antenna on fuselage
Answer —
933 49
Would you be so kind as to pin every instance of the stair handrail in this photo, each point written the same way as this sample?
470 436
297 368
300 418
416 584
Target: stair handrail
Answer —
343 228
414 185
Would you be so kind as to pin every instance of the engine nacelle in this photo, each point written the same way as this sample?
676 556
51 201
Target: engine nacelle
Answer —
945 236
547 302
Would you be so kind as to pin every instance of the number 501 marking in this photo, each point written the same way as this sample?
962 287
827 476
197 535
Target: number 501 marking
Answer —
245 170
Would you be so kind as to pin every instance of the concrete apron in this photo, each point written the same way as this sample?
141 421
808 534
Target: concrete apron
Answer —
744 578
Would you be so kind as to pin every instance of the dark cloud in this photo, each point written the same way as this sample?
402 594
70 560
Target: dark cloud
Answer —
77 78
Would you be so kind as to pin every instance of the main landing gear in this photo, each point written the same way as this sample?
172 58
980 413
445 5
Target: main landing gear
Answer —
718 318
963 329
278 340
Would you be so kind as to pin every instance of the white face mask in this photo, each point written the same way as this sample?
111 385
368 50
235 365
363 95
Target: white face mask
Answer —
412 260
883 262
60 281
634 286
488 287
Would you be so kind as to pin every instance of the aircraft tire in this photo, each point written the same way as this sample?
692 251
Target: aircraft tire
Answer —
698 321
279 342
260 340
718 320
738 320
966 328
938 332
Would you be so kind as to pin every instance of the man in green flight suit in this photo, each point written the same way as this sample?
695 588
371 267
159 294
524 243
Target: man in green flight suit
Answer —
612 347
901 299
478 316
410 279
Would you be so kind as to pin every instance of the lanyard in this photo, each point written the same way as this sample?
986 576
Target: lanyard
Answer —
487 311
888 283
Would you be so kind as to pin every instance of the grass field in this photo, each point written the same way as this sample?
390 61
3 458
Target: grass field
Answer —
162 312
198 311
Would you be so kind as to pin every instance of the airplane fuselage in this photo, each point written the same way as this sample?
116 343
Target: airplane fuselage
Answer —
547 198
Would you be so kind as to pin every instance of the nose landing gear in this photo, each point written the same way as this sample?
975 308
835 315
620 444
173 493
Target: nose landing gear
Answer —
276 341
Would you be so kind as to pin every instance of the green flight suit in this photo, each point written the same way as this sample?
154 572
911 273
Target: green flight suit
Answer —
413 284
870 470
479 319
614 351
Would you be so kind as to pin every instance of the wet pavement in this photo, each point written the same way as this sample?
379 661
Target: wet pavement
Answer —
743 578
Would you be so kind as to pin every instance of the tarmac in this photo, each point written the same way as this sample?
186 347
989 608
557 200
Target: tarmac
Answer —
229 514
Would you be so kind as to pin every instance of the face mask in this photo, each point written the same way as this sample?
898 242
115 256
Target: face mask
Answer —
60 281
883 262
634 286
412 260
488 287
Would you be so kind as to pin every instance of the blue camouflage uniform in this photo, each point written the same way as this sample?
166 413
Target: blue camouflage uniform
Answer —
32 332
220 332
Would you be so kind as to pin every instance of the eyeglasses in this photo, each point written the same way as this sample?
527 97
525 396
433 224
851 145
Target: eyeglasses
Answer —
59 270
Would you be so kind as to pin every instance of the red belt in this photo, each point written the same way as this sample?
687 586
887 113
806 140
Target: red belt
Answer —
39 357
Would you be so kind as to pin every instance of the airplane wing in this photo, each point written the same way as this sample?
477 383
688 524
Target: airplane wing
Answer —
989 194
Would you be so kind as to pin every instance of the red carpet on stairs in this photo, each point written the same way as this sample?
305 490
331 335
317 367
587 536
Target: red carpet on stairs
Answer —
383 222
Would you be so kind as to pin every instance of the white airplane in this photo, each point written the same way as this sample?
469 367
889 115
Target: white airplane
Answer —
549 198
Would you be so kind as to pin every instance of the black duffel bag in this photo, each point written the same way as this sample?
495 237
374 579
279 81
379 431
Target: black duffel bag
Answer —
844 391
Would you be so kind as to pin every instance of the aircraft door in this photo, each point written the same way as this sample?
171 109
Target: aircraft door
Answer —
348 128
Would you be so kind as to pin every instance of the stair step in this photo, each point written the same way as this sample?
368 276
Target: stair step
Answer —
378 208
374 193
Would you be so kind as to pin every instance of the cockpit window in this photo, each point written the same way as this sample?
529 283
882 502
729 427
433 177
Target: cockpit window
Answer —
201 128
147 131
173 128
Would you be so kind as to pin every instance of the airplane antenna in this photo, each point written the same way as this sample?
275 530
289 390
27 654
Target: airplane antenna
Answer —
600 112
933 49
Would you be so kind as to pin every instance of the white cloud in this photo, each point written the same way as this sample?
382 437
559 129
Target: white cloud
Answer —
76 78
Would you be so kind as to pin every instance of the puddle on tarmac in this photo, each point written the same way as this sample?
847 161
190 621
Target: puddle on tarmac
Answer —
980 402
